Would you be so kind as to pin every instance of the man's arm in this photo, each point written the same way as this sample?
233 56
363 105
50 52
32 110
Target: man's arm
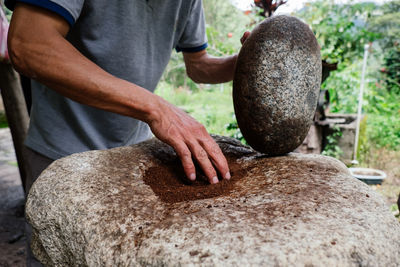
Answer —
38 49
203 68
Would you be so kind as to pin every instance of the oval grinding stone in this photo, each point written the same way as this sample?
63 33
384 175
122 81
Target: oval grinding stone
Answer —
276 85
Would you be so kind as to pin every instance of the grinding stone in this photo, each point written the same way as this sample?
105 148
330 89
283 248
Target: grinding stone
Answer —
130 206
276 85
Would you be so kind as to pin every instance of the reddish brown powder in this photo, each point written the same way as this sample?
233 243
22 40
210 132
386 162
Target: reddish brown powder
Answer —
170 184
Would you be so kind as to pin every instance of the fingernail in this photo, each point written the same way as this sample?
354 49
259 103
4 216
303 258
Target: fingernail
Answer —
228 176
215 180
192 177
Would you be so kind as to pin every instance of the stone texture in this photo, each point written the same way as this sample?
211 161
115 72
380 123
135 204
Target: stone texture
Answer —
276 84
95 209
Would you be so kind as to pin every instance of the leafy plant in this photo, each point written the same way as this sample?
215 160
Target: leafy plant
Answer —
3 120
343 86
332 149
234 130
340 29
386 21
225 25
392 69
210 106
364 145
175 73
384 131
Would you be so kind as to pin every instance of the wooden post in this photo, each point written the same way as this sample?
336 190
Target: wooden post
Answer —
16 112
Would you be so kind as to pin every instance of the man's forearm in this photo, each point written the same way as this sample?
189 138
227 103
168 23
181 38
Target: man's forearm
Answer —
203 68
52 60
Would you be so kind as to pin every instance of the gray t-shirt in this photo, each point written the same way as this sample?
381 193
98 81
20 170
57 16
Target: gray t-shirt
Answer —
132 40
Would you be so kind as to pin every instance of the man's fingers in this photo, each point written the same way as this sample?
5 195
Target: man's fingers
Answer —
191 143
185 155
244 37
203 160
217 157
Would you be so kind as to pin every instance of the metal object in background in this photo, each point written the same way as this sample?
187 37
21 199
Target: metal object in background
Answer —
367 175
360 102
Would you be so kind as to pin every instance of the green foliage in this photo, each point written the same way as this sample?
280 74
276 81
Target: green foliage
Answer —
7 12
175 73
342 31
386 21
332 149
364 145
343 86
3 120
212 106
378 100
392 68
384 131
381 106
339 29
225 26
383 109
233 127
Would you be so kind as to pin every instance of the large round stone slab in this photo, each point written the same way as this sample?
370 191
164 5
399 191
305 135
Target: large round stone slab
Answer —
276 85
132 206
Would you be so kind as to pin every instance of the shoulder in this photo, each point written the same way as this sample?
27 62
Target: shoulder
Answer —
69 10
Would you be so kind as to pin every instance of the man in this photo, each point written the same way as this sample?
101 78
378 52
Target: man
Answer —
94 66
102 60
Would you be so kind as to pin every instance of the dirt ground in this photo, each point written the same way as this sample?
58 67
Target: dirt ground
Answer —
12 238
389 162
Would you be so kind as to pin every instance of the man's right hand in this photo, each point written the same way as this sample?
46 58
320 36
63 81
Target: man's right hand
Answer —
190 140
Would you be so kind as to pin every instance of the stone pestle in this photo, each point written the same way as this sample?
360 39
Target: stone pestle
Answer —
276 85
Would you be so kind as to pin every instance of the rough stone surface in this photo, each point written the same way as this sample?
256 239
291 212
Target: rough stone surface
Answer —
276 84
99 209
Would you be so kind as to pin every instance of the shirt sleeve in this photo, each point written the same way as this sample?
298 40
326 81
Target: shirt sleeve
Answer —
194 36
70 10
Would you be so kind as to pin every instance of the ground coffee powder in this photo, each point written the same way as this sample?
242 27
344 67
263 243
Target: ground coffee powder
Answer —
170 184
